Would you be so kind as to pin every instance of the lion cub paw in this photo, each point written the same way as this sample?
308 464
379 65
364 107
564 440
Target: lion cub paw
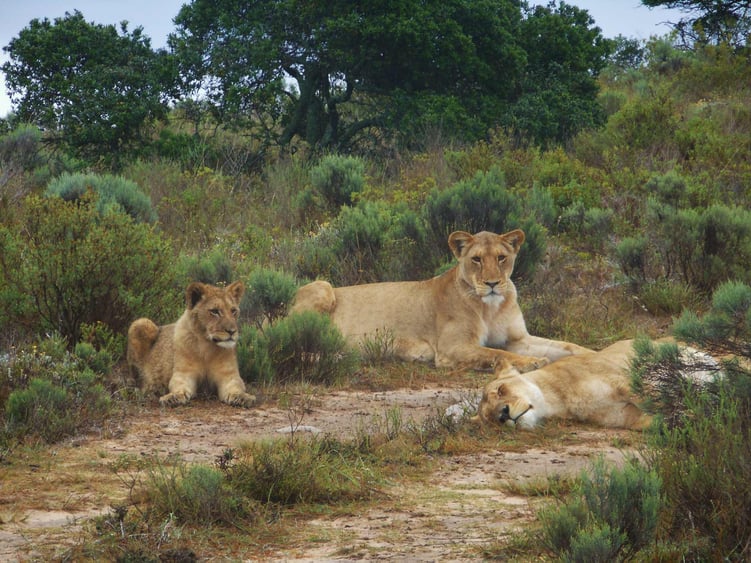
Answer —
174 399
530 364
240 400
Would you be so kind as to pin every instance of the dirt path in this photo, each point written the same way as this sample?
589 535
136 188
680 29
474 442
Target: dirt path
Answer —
451 515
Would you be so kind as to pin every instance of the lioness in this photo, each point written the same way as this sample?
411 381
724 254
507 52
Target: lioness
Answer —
589 387
198 348
466 317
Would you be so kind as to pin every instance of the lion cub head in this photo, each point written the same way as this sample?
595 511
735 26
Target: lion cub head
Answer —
502 404
214 311
486 261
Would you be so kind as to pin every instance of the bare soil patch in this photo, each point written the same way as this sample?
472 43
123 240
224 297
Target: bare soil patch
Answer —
463 505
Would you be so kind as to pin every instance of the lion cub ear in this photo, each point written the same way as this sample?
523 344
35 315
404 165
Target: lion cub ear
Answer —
236 290
458 240
194 294
514 238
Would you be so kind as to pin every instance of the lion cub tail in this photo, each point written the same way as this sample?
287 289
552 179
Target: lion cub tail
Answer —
142 335
316 296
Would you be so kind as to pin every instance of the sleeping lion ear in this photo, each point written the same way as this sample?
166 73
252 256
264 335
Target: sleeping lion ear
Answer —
194 293
514 238
457 241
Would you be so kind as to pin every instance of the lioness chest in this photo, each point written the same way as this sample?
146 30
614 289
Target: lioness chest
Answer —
500 323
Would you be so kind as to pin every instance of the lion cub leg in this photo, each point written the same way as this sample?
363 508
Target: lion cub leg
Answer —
233 393
182 388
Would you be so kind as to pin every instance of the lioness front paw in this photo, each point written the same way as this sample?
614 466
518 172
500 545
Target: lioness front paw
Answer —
241 400
530 364
174 399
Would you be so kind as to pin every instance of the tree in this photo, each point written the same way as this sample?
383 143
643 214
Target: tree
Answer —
565 53
328 71
710 21
92 87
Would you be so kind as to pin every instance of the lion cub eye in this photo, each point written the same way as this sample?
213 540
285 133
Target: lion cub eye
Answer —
235 312
216 312
476 259
501 259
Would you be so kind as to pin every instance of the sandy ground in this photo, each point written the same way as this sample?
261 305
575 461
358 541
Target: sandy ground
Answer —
449 516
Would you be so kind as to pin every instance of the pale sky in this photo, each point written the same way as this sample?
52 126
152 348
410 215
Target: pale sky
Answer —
614 17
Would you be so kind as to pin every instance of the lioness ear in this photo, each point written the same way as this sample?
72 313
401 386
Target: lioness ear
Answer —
458 240
514 238
236 290
194 293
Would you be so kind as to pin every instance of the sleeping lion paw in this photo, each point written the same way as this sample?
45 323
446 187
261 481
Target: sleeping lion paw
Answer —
530 364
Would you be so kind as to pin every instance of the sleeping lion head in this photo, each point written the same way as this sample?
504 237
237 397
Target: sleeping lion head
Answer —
503 404
214 311
486 261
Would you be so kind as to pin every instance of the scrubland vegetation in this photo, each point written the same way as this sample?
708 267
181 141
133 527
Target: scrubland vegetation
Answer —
640 226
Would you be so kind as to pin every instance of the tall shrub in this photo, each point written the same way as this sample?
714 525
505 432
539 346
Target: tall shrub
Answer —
69 264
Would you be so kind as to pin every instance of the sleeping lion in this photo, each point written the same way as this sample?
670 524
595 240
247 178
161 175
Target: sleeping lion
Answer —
466 317
174 360
589 387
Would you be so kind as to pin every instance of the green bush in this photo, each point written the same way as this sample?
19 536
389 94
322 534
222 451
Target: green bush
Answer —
195 495
212 267
302 471
69 265
113 191
51 393
304 347
612 516
483 204
268 296
374 241
338 178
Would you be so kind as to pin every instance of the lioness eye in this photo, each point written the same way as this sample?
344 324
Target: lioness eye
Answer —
235 312
476 259
501 259
216 312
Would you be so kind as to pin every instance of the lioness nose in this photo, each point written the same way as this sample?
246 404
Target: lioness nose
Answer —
491 284
505 414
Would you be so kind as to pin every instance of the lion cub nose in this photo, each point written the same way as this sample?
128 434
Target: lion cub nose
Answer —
491 284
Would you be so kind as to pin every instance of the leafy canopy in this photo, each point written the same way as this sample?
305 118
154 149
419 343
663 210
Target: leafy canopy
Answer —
93 87
332 72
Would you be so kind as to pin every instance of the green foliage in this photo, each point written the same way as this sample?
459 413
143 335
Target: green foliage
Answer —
212 267
612 516
705 467
484 204
374 241
268 296
96 87
69 265
112 191
194 494
302 471
338 178
304 347
51 393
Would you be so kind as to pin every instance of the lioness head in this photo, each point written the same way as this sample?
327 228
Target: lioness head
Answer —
214 310
486 261
500 404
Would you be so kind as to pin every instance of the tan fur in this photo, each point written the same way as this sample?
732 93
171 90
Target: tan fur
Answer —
589 387
199 348
466 317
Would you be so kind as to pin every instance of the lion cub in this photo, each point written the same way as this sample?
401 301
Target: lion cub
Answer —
198 348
